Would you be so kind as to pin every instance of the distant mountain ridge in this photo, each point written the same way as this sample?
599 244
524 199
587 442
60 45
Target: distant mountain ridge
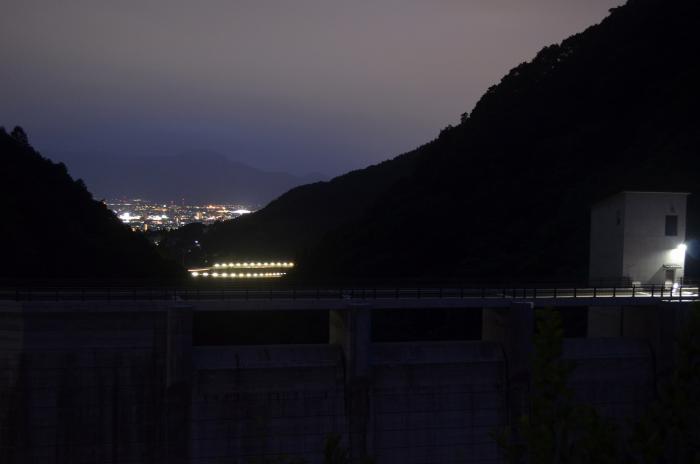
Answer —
197 176
506 195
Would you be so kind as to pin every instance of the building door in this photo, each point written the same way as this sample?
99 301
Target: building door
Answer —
670 277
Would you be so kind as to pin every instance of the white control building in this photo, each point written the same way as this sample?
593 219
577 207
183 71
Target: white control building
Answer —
638 238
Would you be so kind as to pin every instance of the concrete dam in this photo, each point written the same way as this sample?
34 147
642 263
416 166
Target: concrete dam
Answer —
121 380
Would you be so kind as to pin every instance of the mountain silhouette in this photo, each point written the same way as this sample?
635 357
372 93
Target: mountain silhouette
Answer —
53 230
505 196
196 176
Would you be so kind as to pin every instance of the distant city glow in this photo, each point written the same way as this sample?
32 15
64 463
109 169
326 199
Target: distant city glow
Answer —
145 215
127 217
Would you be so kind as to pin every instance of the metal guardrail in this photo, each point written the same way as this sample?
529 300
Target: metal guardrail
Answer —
193 294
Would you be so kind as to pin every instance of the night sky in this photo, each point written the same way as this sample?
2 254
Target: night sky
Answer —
297 86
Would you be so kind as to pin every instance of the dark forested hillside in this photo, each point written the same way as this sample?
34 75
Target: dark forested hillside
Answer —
506 194
53 229
299 218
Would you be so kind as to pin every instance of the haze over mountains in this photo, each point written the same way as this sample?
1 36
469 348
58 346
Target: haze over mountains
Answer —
195 177
506 195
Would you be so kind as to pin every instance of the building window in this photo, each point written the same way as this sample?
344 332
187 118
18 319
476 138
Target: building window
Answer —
671 226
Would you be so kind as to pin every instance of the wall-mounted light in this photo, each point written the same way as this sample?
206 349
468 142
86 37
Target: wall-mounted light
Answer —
677 255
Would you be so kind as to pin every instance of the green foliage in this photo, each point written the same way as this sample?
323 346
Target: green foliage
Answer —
334 452
556 429
670 431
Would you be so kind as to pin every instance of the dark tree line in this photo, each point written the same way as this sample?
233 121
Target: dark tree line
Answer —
558 429
53 230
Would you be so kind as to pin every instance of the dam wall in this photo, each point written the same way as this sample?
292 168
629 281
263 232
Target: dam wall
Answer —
123 382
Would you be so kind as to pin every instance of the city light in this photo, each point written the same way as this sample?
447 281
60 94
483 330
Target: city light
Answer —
233 275
254 265
258 270
146 215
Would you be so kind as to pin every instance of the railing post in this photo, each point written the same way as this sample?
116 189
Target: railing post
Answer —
662 290
614 292
680 294
554 293
633 291
595 292
652 290
575 292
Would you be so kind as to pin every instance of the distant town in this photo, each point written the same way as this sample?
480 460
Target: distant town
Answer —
145 215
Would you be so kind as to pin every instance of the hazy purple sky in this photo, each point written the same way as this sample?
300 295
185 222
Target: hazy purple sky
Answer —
291 85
